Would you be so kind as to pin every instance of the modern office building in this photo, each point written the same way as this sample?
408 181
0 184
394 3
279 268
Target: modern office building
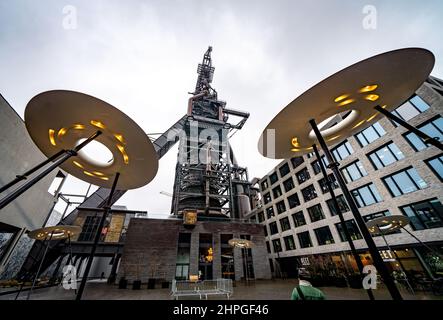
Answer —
389 171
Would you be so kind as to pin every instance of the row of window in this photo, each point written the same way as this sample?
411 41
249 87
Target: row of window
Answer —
399 183
406 111
423 215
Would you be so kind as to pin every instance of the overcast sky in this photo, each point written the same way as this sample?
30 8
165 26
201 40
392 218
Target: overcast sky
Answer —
142 56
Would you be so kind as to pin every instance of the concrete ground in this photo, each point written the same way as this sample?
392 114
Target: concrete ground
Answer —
256 290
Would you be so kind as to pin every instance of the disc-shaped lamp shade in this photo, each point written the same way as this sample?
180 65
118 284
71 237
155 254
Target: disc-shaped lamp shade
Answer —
387 224
240 243
61 119
54 232
351 94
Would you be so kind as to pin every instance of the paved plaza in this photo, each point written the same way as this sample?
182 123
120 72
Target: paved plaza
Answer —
256 290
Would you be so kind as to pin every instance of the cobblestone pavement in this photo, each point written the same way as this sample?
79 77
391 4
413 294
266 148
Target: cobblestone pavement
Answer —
256 290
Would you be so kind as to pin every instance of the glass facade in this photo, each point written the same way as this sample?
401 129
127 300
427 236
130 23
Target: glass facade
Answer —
436 165
425 214
273 178
299 219
366 195
281 207
284 224
354 171
302 175
404 181
411 108
284 170
288 184
289 243
342 204
293 200
434 129
342 151
304 239
324 236
353 230
276 192
309 193
324 186
316 213
370 134
385 155
273 229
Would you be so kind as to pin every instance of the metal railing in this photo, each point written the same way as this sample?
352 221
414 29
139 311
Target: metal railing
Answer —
202 289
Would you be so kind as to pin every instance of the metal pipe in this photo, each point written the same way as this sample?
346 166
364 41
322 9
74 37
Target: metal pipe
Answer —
97 238
376 258
68 154
342 220
427 139
41 264
23 176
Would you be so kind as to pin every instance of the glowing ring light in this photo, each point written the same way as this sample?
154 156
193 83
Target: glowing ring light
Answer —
58 232
60 119
387 224
240 243
386 80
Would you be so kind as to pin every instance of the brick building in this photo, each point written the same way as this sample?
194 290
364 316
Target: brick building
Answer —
389 171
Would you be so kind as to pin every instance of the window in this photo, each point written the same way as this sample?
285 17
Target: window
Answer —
353 230
267 198
424 215
296 161
299 219
309 193
324 236
265 230
89 228
354 171
281 207
273 178
310 155
366 195
268 247
277 245
273 227
370 134
436 165
264 185
434 129
316 213
302 175
284 170
405 181
293 200
373 216
304 239
342 151
289 243
276 192
324 186
284 224
261 216
270 212
385 155
288 184
411 108
342 204
316 167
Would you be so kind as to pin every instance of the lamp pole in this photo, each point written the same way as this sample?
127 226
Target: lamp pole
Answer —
106 210
67 154
342 220
376 258
421 134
